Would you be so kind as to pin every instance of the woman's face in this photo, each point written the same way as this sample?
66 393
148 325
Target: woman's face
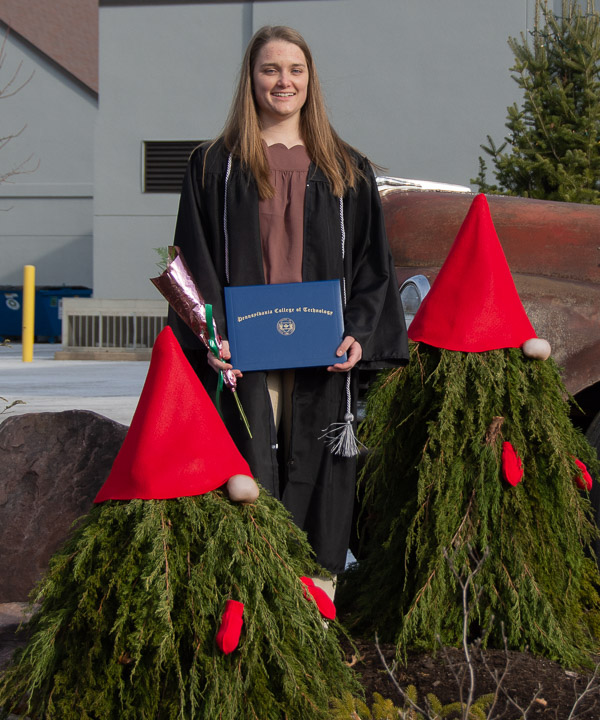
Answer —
280 79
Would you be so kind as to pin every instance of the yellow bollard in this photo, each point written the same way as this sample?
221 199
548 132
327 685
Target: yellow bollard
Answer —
28 312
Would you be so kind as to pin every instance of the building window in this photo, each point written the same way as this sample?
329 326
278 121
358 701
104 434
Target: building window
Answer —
165 163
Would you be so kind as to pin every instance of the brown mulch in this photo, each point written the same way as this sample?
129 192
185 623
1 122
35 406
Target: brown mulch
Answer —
544 689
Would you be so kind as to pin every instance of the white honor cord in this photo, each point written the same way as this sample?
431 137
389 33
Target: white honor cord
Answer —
340 437
343 233
225 230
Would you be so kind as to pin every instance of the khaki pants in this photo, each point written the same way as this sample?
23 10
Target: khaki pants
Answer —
280 384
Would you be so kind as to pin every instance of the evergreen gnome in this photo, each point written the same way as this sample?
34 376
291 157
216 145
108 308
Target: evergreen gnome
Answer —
170 600
474 460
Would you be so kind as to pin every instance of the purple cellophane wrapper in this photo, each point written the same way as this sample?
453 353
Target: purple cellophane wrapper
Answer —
177 286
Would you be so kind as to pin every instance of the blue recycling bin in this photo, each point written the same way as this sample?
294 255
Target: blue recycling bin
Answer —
11 311
48 310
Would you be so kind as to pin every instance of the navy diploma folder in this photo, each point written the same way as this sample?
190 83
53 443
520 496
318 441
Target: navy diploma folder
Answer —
289 325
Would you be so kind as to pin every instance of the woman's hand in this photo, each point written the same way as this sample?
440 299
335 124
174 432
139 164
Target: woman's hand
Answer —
218 365
354 350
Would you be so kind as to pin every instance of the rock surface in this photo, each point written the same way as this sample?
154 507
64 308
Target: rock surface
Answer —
52 466
11 617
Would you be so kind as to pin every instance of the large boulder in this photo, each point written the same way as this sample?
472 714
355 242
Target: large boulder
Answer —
52 465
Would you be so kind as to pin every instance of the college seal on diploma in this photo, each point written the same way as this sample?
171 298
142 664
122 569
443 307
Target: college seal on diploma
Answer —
286 326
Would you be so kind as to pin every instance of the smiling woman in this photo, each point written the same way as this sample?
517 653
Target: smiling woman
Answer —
280 79
280 198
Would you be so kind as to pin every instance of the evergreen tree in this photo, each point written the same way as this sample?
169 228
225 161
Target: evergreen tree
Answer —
552 150
434 490
475 463
131 606
139 613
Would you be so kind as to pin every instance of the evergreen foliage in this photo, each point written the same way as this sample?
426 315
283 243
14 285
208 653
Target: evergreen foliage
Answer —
552 151
131 606
435 499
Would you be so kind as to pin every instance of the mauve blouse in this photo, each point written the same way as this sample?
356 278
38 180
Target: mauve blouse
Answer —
282 216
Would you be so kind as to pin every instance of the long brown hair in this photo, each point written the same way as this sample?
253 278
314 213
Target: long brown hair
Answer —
323 145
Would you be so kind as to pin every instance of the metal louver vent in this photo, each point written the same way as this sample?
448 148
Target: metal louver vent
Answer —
165 163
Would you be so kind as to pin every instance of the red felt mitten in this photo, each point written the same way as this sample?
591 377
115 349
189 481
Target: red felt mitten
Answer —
324 602
228 636
512 467
583 479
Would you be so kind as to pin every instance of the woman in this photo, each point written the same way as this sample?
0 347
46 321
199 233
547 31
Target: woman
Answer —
278 197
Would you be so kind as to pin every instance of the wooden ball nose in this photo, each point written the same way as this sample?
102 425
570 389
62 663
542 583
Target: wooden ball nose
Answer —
536 348
242 488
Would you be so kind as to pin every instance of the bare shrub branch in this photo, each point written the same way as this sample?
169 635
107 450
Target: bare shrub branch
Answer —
11 87
590 687
396 684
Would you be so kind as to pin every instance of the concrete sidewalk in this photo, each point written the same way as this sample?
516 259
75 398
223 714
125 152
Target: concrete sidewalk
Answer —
109 388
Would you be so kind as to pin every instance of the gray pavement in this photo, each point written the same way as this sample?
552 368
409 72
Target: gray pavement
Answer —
109 388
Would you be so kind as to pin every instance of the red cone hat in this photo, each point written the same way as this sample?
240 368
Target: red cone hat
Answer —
177 444
473 304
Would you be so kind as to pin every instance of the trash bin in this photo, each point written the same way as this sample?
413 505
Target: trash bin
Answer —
11 311
48 310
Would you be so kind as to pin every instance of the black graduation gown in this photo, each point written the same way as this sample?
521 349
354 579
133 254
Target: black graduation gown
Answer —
316 486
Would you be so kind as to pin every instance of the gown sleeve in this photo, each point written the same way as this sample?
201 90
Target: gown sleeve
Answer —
373 313
199 236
